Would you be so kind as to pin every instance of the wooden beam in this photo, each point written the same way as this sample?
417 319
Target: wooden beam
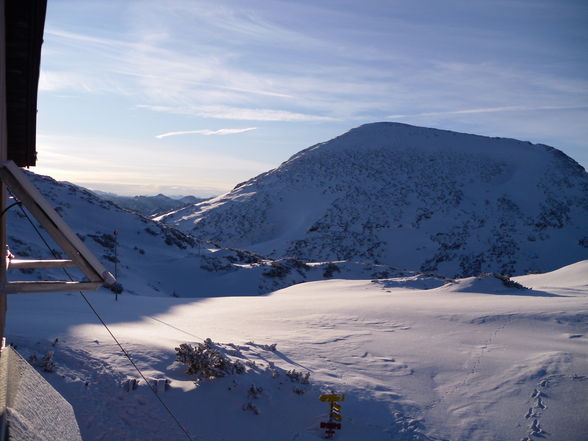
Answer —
3 157
28 263
50 286
69 242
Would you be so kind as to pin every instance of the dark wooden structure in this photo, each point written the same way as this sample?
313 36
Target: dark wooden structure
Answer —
21 36
24 24
30 409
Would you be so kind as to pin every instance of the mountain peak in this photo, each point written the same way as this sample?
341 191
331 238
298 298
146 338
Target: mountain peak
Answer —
412 197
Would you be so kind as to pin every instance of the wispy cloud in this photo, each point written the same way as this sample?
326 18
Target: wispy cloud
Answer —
55 81
488 110
207 132
238 113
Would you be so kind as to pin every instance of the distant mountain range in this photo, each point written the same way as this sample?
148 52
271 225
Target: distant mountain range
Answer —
149 205
410 197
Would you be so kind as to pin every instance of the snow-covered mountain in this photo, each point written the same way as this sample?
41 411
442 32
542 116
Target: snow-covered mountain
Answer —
412 197
149 205
153 259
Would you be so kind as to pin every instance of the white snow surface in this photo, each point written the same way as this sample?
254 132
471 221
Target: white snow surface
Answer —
417 359
415 198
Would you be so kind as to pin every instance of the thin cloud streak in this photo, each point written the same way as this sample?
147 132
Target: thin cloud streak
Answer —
237 113
489 110
207 132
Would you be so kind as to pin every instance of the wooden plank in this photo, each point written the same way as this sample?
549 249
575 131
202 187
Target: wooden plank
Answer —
32 199
41 210
29 263
50 286
3 157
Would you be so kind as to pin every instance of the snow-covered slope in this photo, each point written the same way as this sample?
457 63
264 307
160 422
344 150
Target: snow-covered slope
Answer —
411 197
154 259
416 360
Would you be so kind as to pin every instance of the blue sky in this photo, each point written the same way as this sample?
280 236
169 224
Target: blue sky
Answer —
193 97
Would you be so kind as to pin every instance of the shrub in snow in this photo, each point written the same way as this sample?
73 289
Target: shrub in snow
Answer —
506 281
46 363
207 361
213 264
298 377
271 348
330 269
111 258
276 270
116 288
106 240
251 407
177 238
254 391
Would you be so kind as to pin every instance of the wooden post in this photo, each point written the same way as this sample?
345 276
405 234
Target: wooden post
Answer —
3 157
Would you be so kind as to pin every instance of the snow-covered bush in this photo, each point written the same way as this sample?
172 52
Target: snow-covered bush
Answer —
330 269
506 281
106 240
254 391
276 270
46 363
207 361
116 288
251 408
298 377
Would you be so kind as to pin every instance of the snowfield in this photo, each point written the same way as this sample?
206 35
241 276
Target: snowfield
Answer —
417 359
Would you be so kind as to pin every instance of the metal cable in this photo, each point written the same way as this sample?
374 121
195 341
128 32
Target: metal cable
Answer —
9 207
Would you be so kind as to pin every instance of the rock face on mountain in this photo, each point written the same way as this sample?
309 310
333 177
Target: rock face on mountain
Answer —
415 198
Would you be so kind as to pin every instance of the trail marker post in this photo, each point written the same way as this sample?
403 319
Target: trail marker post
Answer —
335 417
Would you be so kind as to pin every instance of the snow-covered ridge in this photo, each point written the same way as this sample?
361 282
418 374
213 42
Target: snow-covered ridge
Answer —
411 197
149 205
150 258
